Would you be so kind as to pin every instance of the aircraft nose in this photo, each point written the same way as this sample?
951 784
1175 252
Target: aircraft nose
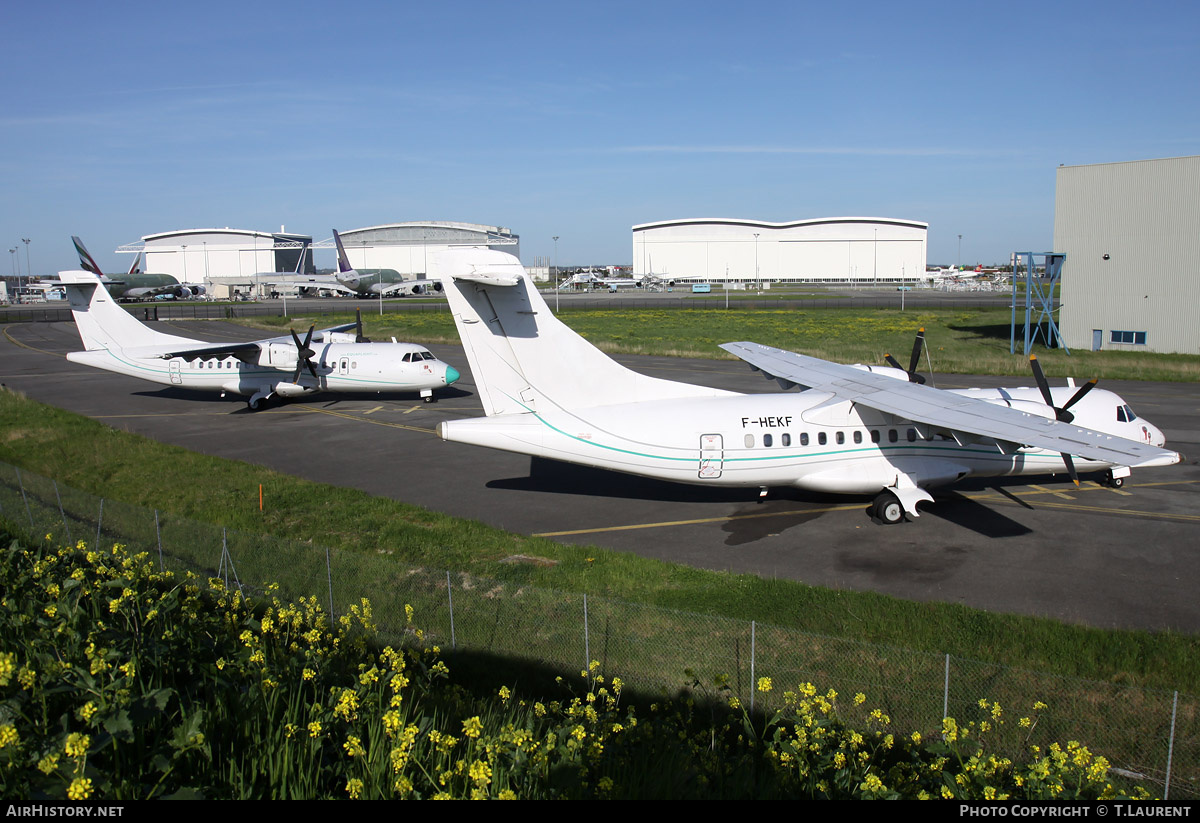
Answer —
451 375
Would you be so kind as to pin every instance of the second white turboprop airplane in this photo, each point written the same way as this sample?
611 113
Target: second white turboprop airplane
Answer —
338 361
861 430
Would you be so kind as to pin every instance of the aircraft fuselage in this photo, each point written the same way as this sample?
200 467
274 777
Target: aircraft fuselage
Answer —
807 440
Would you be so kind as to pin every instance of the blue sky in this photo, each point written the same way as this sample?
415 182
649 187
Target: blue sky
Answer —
576 119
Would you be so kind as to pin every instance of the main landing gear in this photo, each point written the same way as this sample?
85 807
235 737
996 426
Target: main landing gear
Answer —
887 509
1112 481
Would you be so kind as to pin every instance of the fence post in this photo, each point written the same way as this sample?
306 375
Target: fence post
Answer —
946 691
450 600
158 536
1171 746
28 513
58 497
329 578
99 523
587 651
752 657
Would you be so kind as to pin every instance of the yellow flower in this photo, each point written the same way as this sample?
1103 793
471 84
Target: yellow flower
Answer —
8 735
48 763
354 788
480 772
764 684
77 744
859 699
80 789
472 727
314 728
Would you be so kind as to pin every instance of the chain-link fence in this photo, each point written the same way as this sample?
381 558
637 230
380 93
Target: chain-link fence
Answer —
1148 735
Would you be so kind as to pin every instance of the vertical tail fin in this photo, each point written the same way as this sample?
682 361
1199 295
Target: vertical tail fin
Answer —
136 266
521 355
102 324
85 260
344 266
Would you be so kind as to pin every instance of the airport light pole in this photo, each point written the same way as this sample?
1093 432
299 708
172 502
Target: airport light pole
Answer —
556 284
13 257
960 252
757 285
28 270
875 261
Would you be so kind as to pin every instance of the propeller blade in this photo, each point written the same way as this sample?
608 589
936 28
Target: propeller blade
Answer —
1084 389
1071 468
1043 386
303 354
915 360
358 332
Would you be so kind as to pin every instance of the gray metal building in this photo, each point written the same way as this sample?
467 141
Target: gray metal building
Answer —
1131 235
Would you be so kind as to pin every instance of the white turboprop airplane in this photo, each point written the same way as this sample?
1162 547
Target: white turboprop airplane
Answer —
862 430
278 366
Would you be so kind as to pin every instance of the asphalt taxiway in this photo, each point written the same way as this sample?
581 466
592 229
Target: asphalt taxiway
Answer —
1105 557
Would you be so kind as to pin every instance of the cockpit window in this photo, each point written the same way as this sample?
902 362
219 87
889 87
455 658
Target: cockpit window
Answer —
424 355
1121 415
1129 414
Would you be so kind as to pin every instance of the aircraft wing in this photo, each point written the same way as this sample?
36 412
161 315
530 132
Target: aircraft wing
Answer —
245 350
956 413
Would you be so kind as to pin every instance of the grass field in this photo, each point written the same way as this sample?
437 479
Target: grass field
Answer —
87 455
960 341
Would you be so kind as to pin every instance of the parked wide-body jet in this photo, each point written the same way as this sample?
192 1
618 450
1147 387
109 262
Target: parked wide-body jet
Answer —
336 359
861 430
378 282
136 284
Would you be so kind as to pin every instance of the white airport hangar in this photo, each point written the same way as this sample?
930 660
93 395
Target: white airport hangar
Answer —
1131 235
222 260
855 250
408 247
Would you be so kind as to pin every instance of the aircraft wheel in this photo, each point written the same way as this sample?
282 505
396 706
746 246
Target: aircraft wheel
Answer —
254 404
1113 482
888 509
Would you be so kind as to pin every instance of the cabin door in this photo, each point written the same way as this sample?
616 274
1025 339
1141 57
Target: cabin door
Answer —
173 368
712 455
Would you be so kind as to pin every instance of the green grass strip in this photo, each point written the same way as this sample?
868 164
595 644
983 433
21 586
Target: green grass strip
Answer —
87 455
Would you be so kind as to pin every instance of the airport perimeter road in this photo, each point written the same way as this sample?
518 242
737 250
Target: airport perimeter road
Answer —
1099 556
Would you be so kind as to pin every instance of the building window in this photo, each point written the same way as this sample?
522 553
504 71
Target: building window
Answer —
1137 338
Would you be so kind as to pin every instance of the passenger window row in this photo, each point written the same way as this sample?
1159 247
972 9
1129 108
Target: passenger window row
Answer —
839 438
